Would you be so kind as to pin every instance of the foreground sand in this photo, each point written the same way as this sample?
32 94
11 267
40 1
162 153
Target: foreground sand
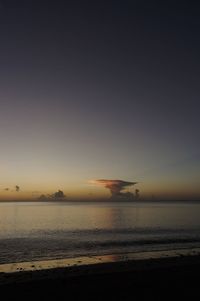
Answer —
161 276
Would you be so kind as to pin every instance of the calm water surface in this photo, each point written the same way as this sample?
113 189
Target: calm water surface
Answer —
36 231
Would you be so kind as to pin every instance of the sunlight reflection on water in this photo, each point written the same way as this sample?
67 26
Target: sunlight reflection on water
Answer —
36 231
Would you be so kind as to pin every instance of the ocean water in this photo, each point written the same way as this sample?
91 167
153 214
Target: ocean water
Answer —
52 230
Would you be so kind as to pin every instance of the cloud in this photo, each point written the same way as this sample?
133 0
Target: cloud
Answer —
17 188
56 195
7 189
116 187
43 197
137 193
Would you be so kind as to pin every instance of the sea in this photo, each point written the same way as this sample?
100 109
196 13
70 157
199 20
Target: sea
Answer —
31 231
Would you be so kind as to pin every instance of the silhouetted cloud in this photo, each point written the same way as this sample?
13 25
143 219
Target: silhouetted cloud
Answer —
137 193
58 195
43 197
116 187
17 188
7 189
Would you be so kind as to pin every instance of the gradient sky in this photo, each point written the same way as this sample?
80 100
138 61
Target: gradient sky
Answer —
99 89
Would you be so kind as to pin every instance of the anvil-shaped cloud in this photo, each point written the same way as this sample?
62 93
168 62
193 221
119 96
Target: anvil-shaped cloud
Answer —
115 186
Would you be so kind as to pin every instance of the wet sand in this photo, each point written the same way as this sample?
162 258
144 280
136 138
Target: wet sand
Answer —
159 275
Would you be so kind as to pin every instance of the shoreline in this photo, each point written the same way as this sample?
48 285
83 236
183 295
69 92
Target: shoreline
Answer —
141 276
78 266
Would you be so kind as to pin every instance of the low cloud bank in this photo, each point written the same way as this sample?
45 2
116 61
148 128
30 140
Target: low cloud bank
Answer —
55 196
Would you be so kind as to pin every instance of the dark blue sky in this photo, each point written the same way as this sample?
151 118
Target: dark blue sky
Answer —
100 89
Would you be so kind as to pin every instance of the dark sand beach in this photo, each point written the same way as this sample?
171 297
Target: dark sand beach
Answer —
132 277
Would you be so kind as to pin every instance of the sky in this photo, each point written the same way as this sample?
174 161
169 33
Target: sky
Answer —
99 90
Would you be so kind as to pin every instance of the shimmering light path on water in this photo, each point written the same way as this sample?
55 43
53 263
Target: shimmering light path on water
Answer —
47 231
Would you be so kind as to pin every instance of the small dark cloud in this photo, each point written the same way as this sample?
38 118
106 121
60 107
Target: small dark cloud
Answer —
17 188
43 197
58 195
137 193
7 189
